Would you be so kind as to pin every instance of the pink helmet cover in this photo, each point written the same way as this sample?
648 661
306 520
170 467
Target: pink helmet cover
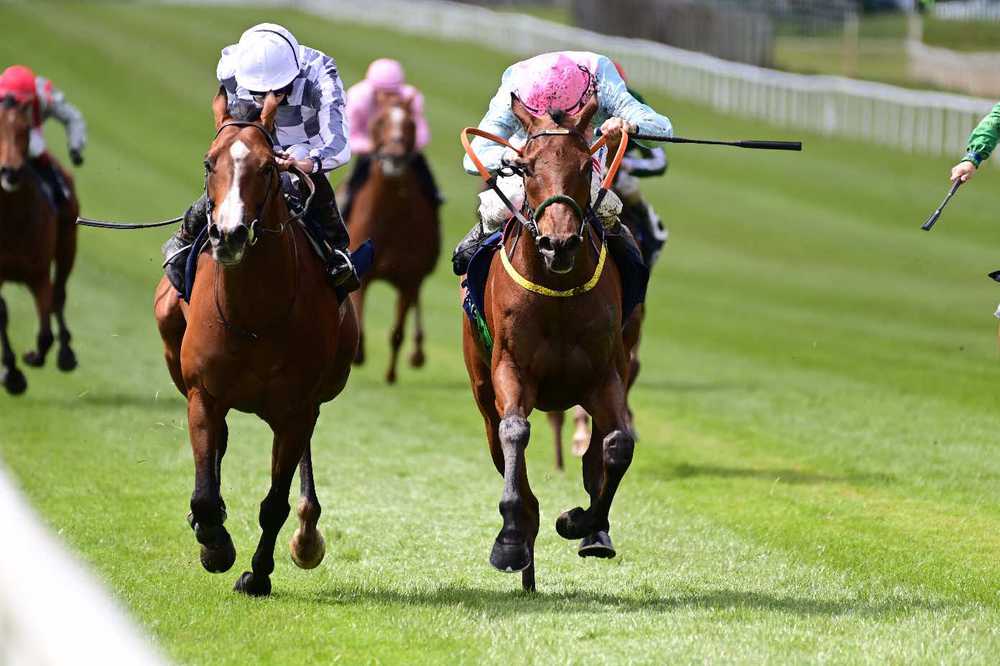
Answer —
386 74
553 82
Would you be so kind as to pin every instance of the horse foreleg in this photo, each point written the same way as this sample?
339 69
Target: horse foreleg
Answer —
417 358
291 437
64 259
404 300
604 464
41 290
14 380
209 436
358 298
581 431
556 420
307 544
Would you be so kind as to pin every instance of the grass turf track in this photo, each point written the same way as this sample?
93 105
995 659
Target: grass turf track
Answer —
817 478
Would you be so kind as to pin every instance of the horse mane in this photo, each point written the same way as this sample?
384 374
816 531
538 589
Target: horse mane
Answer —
244 110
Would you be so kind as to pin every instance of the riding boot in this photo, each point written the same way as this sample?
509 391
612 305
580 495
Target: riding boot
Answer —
362 167
52 180
178 247
426 179
621 240
324 215
467 248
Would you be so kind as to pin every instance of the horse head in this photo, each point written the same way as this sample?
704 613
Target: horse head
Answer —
557 168
394 136
241 176
15 130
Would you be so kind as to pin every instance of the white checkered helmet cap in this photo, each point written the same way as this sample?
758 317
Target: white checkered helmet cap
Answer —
267 58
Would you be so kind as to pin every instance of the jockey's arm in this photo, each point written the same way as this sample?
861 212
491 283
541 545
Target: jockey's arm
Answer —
499 120
55 105
328 97
617 102
423 129
645 162
982 142
358 107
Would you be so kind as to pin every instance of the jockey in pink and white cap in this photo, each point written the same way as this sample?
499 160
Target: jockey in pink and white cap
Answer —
561 81
384 80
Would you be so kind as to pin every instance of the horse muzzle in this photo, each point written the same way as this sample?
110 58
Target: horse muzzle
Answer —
228 245
10 179
559 254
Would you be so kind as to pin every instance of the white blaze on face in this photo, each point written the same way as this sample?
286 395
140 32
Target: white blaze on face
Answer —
397 115
230 214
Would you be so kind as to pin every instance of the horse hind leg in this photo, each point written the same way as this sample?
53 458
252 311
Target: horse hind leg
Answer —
14 380
291 438
417 358
307 545
172 326
65 257
581 431
404 301
556 420
42 292
358 298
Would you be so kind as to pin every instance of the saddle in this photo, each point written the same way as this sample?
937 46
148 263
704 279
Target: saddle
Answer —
633 271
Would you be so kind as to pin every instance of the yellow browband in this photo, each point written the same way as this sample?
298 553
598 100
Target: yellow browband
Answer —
545 291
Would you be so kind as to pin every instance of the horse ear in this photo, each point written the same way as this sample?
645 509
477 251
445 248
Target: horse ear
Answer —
269 111
521 112
586 114
220 107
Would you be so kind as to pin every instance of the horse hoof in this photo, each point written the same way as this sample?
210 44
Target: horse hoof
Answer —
390 377
573 524
15 382
417 359
252 586
66 360
510 557
307 552
34 359
597 544
219 558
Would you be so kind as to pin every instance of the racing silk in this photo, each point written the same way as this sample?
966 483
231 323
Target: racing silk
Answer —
642 161
984 138
311 121
51 103
361 108
613 98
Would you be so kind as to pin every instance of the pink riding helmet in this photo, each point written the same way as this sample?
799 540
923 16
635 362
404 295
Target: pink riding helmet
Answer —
386 74
553 81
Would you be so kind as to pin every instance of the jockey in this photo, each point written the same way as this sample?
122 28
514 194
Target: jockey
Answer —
642 162
311 134
384 80
563 81
982 142
47 102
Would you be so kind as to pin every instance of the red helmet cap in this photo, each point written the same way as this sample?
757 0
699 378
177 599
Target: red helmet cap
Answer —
19 81
621 71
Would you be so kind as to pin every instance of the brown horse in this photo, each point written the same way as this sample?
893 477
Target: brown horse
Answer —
391 209
553 352
33 236
263 334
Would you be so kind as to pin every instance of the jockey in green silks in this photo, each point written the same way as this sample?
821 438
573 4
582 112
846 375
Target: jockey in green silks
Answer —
982 141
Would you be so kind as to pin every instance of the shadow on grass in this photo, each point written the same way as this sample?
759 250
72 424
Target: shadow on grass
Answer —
787 475
516 602
171 401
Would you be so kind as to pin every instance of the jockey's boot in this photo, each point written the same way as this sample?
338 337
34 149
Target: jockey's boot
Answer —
324 214
52 180
467 248
426 179
362 167
620 239
178 247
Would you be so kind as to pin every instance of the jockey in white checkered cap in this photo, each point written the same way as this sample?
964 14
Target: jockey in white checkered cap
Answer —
310 133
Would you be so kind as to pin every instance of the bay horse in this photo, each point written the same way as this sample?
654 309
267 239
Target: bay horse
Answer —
392 210
553 304
263 334
33 237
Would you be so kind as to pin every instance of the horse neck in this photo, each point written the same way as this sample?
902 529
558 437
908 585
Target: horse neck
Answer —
529 263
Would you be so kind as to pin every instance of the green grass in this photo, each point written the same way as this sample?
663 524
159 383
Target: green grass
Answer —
817 478
962 35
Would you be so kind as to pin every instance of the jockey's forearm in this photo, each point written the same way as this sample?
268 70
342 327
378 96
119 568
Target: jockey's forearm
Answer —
983 139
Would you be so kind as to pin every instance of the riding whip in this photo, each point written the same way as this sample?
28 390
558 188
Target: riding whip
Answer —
929 224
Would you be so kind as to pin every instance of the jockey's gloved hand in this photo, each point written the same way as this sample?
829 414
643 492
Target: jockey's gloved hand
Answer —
76 157
963 171
613 127
510 159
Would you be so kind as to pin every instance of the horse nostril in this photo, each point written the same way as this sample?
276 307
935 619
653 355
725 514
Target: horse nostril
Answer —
240 234
545 244
214 233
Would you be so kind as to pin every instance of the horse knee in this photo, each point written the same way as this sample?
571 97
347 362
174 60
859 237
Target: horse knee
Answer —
273 513
618 447
515 430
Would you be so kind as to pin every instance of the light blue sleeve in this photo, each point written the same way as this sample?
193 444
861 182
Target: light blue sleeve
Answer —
499 120
616 101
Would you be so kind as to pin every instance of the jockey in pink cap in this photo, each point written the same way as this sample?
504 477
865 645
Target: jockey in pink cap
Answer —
384 80
562 81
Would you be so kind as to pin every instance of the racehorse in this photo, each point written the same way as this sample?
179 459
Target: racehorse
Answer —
391 209
33 237
264 334
553 304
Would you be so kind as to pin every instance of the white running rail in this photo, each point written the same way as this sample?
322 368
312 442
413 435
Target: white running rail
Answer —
52 612
913 120
970 10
